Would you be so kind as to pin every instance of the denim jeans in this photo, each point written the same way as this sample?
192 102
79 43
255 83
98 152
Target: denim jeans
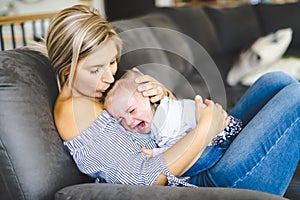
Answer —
210 156
265 154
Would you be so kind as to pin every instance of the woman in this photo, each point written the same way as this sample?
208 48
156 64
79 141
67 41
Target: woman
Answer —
84 50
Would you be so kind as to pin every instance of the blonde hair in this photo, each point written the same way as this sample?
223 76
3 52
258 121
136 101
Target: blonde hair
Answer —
73 34
125 84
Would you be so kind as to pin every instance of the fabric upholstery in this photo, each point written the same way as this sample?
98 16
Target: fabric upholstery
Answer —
107 191
202 31
276 16
116 9
160 52
33 162
235 24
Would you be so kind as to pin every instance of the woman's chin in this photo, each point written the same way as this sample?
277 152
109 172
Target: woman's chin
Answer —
98 95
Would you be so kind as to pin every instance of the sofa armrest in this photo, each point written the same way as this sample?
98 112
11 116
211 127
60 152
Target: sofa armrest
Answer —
33 162
118 191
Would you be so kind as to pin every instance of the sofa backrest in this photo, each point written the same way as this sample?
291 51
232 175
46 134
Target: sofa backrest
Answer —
237 27
33 161
116 9
277 16
194 22
153 44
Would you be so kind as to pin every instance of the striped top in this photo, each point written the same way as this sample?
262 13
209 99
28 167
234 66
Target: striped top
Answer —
105 150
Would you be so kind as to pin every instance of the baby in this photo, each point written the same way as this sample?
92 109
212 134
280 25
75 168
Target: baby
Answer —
165 122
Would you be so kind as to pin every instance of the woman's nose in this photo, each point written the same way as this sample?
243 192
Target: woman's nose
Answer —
109 73
108 76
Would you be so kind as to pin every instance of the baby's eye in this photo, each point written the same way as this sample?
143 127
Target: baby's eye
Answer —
131 111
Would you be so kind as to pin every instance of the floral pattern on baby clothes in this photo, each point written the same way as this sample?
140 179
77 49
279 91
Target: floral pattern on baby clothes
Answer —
225 137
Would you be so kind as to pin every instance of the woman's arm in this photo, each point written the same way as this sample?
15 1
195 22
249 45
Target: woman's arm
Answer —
181 156
73 115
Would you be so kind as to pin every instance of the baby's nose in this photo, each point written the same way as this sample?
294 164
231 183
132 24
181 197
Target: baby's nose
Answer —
129 121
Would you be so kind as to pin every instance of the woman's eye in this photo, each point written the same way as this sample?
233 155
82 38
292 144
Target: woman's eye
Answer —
113 62
95 71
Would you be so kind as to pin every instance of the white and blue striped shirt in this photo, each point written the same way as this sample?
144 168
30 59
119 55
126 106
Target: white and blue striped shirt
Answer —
107 151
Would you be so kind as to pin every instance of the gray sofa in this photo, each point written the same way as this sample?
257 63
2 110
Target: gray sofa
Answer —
33 162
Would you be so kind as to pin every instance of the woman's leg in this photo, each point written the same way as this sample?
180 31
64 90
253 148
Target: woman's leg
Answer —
208 158
259 94
265 154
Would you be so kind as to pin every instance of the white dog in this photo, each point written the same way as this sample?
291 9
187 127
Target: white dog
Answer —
260 57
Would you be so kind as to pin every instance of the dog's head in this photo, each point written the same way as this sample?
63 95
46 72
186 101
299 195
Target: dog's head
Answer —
264 52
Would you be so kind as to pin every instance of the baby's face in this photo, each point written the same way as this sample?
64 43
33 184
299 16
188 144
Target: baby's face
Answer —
133 112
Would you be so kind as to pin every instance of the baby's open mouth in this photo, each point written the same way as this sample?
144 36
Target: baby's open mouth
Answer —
141 126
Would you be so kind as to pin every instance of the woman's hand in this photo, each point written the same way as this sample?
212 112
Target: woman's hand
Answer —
153 89
212 115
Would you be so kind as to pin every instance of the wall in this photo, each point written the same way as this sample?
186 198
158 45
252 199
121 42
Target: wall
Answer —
40 6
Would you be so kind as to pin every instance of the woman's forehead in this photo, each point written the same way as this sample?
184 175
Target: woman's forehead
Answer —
103 54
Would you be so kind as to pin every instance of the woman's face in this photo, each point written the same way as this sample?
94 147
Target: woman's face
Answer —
95 73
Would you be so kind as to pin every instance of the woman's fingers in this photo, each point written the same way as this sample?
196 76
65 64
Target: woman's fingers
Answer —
145 79
227 121
199 106
151 88
220 116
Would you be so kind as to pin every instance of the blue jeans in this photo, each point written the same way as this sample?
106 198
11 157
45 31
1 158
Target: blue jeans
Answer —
265 155
208 158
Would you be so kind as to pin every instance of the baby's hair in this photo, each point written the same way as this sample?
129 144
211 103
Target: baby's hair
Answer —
125 84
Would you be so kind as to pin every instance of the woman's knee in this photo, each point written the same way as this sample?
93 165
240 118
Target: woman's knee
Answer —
277 78
292 93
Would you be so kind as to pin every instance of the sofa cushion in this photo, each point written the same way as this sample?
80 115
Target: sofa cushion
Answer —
276 16
237 27
137 192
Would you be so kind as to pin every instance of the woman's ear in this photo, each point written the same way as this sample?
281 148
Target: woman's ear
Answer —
66 75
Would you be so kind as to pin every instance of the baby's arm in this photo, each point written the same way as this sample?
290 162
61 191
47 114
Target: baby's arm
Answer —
147 152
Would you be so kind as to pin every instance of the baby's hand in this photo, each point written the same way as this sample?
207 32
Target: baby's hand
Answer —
147 152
